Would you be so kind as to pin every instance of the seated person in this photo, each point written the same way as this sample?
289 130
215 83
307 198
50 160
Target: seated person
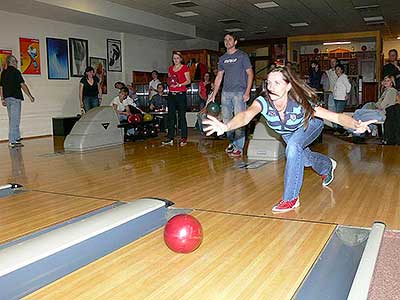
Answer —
158 102
376 110
132 93
121 105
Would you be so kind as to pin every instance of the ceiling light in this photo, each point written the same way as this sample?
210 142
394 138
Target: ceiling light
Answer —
366 6
181 4
229 21
269 4
376 23
233 29
398 37
260 32
186 14
336 43
372 19
301 24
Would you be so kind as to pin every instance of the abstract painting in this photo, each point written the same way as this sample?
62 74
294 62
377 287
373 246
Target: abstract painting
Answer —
30 56
78 56
114 55
57 58
100 69
3 56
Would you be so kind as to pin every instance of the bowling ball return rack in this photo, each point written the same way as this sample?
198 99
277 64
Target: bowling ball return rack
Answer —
143 130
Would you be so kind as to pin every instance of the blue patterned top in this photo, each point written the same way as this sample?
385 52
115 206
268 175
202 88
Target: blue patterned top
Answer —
294 116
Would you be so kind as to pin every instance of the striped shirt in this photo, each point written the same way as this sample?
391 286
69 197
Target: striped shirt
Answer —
294 116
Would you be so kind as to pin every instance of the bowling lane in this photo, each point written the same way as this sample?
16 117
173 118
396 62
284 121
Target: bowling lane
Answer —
27 212
241 257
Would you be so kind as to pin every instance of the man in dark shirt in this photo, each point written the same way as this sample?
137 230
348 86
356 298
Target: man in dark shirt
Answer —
158 101
11 83
392 68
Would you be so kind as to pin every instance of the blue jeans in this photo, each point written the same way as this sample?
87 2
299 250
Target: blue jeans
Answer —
90 102
124 118
299 155
366 114
231 104
340 105
331 102
14 118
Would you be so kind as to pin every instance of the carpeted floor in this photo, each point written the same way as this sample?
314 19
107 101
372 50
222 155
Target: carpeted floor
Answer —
385 283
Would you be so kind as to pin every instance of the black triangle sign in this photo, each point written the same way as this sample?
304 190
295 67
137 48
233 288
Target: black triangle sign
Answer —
105 125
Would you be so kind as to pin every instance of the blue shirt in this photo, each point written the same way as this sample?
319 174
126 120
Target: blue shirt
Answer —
234 67
294 116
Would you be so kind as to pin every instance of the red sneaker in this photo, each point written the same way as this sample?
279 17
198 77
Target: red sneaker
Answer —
235 153
284 206
183 142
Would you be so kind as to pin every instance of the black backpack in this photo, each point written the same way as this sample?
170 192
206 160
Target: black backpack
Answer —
392 125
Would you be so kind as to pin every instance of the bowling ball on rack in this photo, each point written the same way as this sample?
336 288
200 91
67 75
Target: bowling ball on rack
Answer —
183 233
147 118
135 119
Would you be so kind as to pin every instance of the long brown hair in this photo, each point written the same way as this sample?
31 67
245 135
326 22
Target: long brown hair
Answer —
300 92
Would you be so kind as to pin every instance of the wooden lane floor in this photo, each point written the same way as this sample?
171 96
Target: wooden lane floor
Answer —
240 258
200 175
25 213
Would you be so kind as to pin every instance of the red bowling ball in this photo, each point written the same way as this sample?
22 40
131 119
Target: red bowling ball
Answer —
183 233
135 119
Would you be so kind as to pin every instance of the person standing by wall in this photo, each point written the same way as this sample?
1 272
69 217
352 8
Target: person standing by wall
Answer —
11 83
89 90
341 90
153 84
392 68
236 70
332 77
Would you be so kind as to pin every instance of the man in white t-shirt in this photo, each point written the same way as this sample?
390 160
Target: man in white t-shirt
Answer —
121 106
153 84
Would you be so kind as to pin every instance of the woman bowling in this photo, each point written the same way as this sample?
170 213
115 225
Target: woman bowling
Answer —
290 109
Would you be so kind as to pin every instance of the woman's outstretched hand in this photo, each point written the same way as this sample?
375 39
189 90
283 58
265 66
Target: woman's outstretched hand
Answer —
361 127
213 125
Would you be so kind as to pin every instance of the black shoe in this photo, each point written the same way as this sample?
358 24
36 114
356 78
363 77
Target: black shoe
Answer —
19 140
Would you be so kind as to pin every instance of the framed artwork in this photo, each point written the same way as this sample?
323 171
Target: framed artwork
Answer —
29 50
114 55
3 56
78 56
100 69
57 59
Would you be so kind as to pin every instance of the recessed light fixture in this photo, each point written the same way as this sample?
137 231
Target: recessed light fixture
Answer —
336 43
242 39
228 21
185 14
398 37
182 4
269 4
300 24
260 32
373 19
376 23
366 6
233 29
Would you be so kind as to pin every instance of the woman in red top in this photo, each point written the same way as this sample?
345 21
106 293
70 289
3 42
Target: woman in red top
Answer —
205 88
178 79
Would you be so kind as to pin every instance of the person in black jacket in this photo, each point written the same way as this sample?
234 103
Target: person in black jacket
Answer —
392 68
